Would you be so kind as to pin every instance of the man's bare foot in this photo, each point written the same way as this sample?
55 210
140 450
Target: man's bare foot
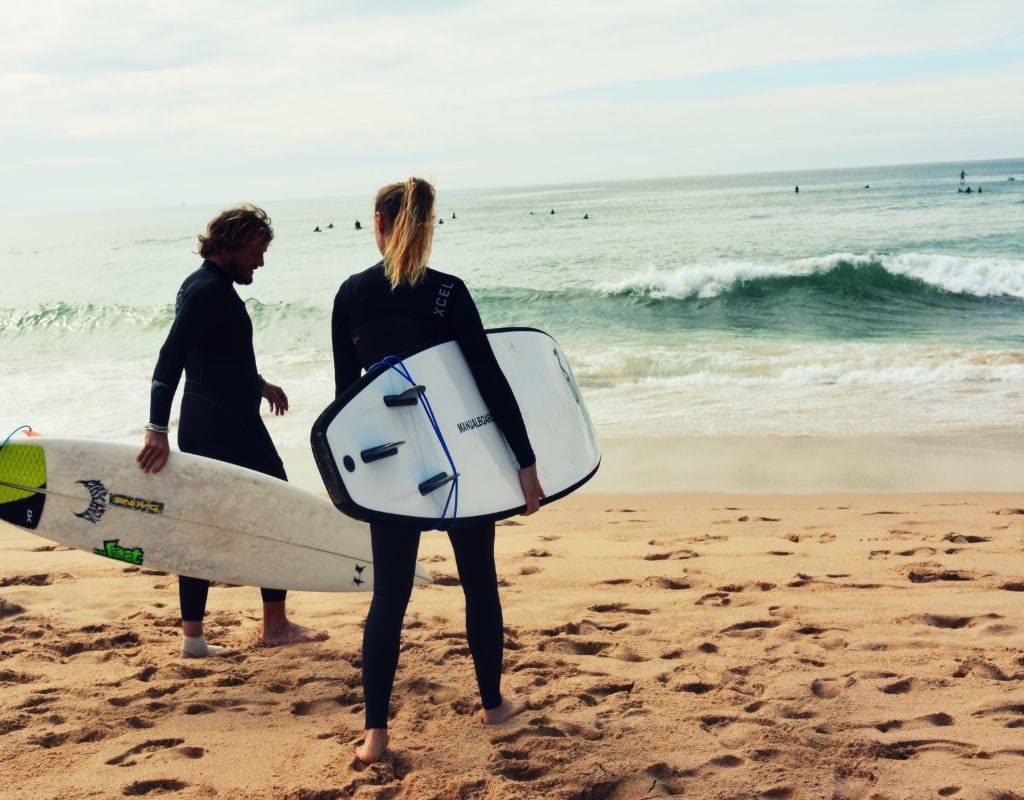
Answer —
197 647
375 743
289 633
510 706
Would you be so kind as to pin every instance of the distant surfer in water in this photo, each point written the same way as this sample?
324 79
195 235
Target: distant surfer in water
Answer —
211 340
393 306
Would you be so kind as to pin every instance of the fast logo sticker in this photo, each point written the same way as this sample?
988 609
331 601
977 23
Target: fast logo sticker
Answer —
111 549
99 498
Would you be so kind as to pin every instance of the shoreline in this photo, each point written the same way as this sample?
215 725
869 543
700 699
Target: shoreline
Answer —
990 461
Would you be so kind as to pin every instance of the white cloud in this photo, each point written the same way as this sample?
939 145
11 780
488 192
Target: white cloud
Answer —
198 97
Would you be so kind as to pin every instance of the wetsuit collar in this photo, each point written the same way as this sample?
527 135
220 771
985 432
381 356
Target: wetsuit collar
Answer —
216 270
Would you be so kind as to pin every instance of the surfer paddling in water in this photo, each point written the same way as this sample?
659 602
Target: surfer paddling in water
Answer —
211 340
394 306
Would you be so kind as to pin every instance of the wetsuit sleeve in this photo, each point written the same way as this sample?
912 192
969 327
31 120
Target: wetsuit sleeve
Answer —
490 380
191 318
347 367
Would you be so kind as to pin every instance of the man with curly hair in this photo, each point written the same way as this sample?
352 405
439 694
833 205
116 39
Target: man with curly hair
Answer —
211 341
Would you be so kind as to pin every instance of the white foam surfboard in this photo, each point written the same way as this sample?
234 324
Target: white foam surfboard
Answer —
195 517
381 460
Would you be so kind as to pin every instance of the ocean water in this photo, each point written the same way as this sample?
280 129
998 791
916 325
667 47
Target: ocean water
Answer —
705 306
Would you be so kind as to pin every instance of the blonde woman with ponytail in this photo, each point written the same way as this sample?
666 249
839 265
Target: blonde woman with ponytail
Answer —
395 306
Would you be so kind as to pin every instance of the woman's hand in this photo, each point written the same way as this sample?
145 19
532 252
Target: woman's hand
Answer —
276 397
532 490
155 450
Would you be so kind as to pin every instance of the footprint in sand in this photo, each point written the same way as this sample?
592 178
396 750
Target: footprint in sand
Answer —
929 575
161 785
939 720
606 608
899 687
904 750
542 728
1011 715
959 538
830 688
674 554
941 621
574 647
9 609
664 583
928 551
26 580
753 627
584 626
981 668
657 780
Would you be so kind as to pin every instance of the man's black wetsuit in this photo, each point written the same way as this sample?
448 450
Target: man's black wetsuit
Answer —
211 340
372 321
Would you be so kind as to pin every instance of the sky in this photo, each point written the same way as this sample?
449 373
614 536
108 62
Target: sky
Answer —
108 104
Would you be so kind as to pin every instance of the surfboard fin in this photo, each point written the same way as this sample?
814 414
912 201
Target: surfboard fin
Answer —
439 480
409 397
379 452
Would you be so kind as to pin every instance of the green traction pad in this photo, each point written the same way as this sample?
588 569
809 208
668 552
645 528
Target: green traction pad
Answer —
25 465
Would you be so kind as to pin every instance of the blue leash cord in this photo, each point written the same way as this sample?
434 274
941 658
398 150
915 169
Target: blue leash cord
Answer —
395 363
11 434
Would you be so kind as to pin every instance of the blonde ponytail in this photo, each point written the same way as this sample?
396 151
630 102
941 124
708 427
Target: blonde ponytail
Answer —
408 212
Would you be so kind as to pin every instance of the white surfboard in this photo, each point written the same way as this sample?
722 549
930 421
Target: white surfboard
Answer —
195 517
382 461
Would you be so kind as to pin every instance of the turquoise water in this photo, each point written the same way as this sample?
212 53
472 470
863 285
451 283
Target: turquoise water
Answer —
689 306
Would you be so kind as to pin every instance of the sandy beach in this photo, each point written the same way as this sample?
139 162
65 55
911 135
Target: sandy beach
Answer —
699 645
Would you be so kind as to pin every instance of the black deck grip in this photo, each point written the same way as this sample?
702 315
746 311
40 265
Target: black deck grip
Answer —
409 397
439 480
379 452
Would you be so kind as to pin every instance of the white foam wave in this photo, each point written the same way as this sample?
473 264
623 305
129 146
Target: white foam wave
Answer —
981 277
824 365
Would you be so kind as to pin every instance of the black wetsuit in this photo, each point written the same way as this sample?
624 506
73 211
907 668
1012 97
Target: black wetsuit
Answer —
211 340
370 322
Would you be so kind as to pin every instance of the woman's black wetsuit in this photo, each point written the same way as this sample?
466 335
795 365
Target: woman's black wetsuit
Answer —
372 321
211 340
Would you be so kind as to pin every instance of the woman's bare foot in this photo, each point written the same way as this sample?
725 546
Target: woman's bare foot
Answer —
289 633
510 706
375 743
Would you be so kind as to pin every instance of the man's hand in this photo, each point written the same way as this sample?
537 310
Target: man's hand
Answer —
154 452
532 490
276 397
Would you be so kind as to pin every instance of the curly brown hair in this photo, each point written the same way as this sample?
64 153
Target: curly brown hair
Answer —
234 228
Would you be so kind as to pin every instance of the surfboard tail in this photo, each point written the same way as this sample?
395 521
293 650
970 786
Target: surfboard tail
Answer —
22 477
